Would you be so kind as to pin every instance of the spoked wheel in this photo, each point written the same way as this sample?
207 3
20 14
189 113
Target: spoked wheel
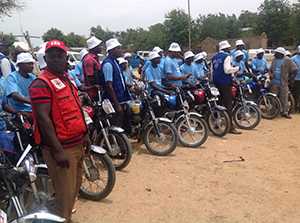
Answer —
218 122
121 151
192 131
99 177
160 140
247 117
269 106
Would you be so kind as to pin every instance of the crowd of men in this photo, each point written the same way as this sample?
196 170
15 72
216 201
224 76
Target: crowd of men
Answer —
51 99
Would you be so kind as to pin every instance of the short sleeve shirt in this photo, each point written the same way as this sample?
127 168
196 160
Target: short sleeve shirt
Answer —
172 68
296 60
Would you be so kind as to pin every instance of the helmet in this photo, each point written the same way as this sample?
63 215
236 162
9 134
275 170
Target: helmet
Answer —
199 96
171 101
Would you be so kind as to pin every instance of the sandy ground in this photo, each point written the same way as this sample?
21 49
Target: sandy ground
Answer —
196 185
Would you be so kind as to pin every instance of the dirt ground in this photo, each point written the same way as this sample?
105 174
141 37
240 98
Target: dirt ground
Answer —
210 184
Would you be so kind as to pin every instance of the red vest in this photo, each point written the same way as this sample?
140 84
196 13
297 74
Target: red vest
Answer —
66 113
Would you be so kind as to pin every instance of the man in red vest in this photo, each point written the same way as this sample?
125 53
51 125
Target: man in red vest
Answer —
59 126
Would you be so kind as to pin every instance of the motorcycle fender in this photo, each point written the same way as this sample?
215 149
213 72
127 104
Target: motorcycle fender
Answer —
41 166
116 129
190 113
165 120
220 108
98 149
40 216
271 94
251 103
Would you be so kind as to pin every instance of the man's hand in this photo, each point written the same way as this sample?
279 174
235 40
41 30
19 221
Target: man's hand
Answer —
61 159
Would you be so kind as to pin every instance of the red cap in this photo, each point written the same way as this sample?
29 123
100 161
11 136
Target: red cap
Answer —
56 44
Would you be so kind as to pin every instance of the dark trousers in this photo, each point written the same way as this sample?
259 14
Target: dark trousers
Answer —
296 94
226 98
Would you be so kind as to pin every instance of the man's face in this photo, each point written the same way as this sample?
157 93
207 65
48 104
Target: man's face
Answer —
278 55
199 61
56 60
98 49
26 67
227 50
156 61
189 60
260 55
239 58
117 52
240 47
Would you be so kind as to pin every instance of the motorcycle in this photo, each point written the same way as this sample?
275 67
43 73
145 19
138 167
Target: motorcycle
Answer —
158 134
246 114
204 100
103 134
191 127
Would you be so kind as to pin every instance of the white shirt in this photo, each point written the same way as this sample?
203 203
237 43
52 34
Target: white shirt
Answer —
5 67
228 68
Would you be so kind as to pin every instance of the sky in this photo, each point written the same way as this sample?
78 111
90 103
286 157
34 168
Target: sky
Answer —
78 16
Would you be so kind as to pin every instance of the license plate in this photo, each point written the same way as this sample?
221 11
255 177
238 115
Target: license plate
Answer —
3 217
214 91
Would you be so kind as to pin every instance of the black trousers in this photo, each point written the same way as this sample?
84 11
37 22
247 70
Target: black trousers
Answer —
226 98
296 94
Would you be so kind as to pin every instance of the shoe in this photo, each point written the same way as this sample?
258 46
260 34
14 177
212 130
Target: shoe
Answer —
235 132
287 116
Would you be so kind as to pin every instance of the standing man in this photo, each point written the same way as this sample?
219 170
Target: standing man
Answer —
222 77
18 82
112 80
296 88
281 72
172 75
91 66
6 66
237 61
240 45
260 64
59 126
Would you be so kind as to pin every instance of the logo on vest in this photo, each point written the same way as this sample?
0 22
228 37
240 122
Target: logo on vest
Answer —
58 83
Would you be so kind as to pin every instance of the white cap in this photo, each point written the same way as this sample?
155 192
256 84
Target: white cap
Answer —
83 52
174 47
288 53
127 55
24 58
261 50
157 49
122 60
238 53
204 54
40 56
21 45
188 54
239 42
280 50
93 42
224 45
199 56
299 49
153 55
111 44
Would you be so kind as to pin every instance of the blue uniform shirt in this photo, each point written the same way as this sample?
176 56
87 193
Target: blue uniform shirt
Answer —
108 73
3 101
296 60
154 74
200 70
246 54
172 67
79 72
260 66
74 76
277 71
241 65
189 69
16 83
128 76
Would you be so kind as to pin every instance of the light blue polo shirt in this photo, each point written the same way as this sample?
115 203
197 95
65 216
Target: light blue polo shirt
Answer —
189 69
172 67
296 60
260 65
16 83
154 74
246 54
277 71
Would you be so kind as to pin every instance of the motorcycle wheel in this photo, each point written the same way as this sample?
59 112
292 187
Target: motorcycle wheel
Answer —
218 123
187 136
165 143
292 104
241 117
122 150
100 180
269 106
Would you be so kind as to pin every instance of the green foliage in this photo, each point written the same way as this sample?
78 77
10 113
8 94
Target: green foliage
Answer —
52 34
102 34
8 39
7 6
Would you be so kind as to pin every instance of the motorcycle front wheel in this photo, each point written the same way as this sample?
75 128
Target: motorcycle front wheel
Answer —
99 177
192 131
218 122
269 106
160 139
246 117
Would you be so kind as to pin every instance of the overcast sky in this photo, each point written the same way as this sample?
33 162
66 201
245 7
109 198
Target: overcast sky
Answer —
78 16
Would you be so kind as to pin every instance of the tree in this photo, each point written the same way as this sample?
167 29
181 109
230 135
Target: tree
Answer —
102 34
53 33
295 23
7 6
274 19
8 39
74 40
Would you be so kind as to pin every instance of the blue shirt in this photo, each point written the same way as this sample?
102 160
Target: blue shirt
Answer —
277 71
79 72
200 71
108 73
154 74
128 76
172 68
2 103
296 60
73 74
16 83
189 69
241 65
260 65
246 54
